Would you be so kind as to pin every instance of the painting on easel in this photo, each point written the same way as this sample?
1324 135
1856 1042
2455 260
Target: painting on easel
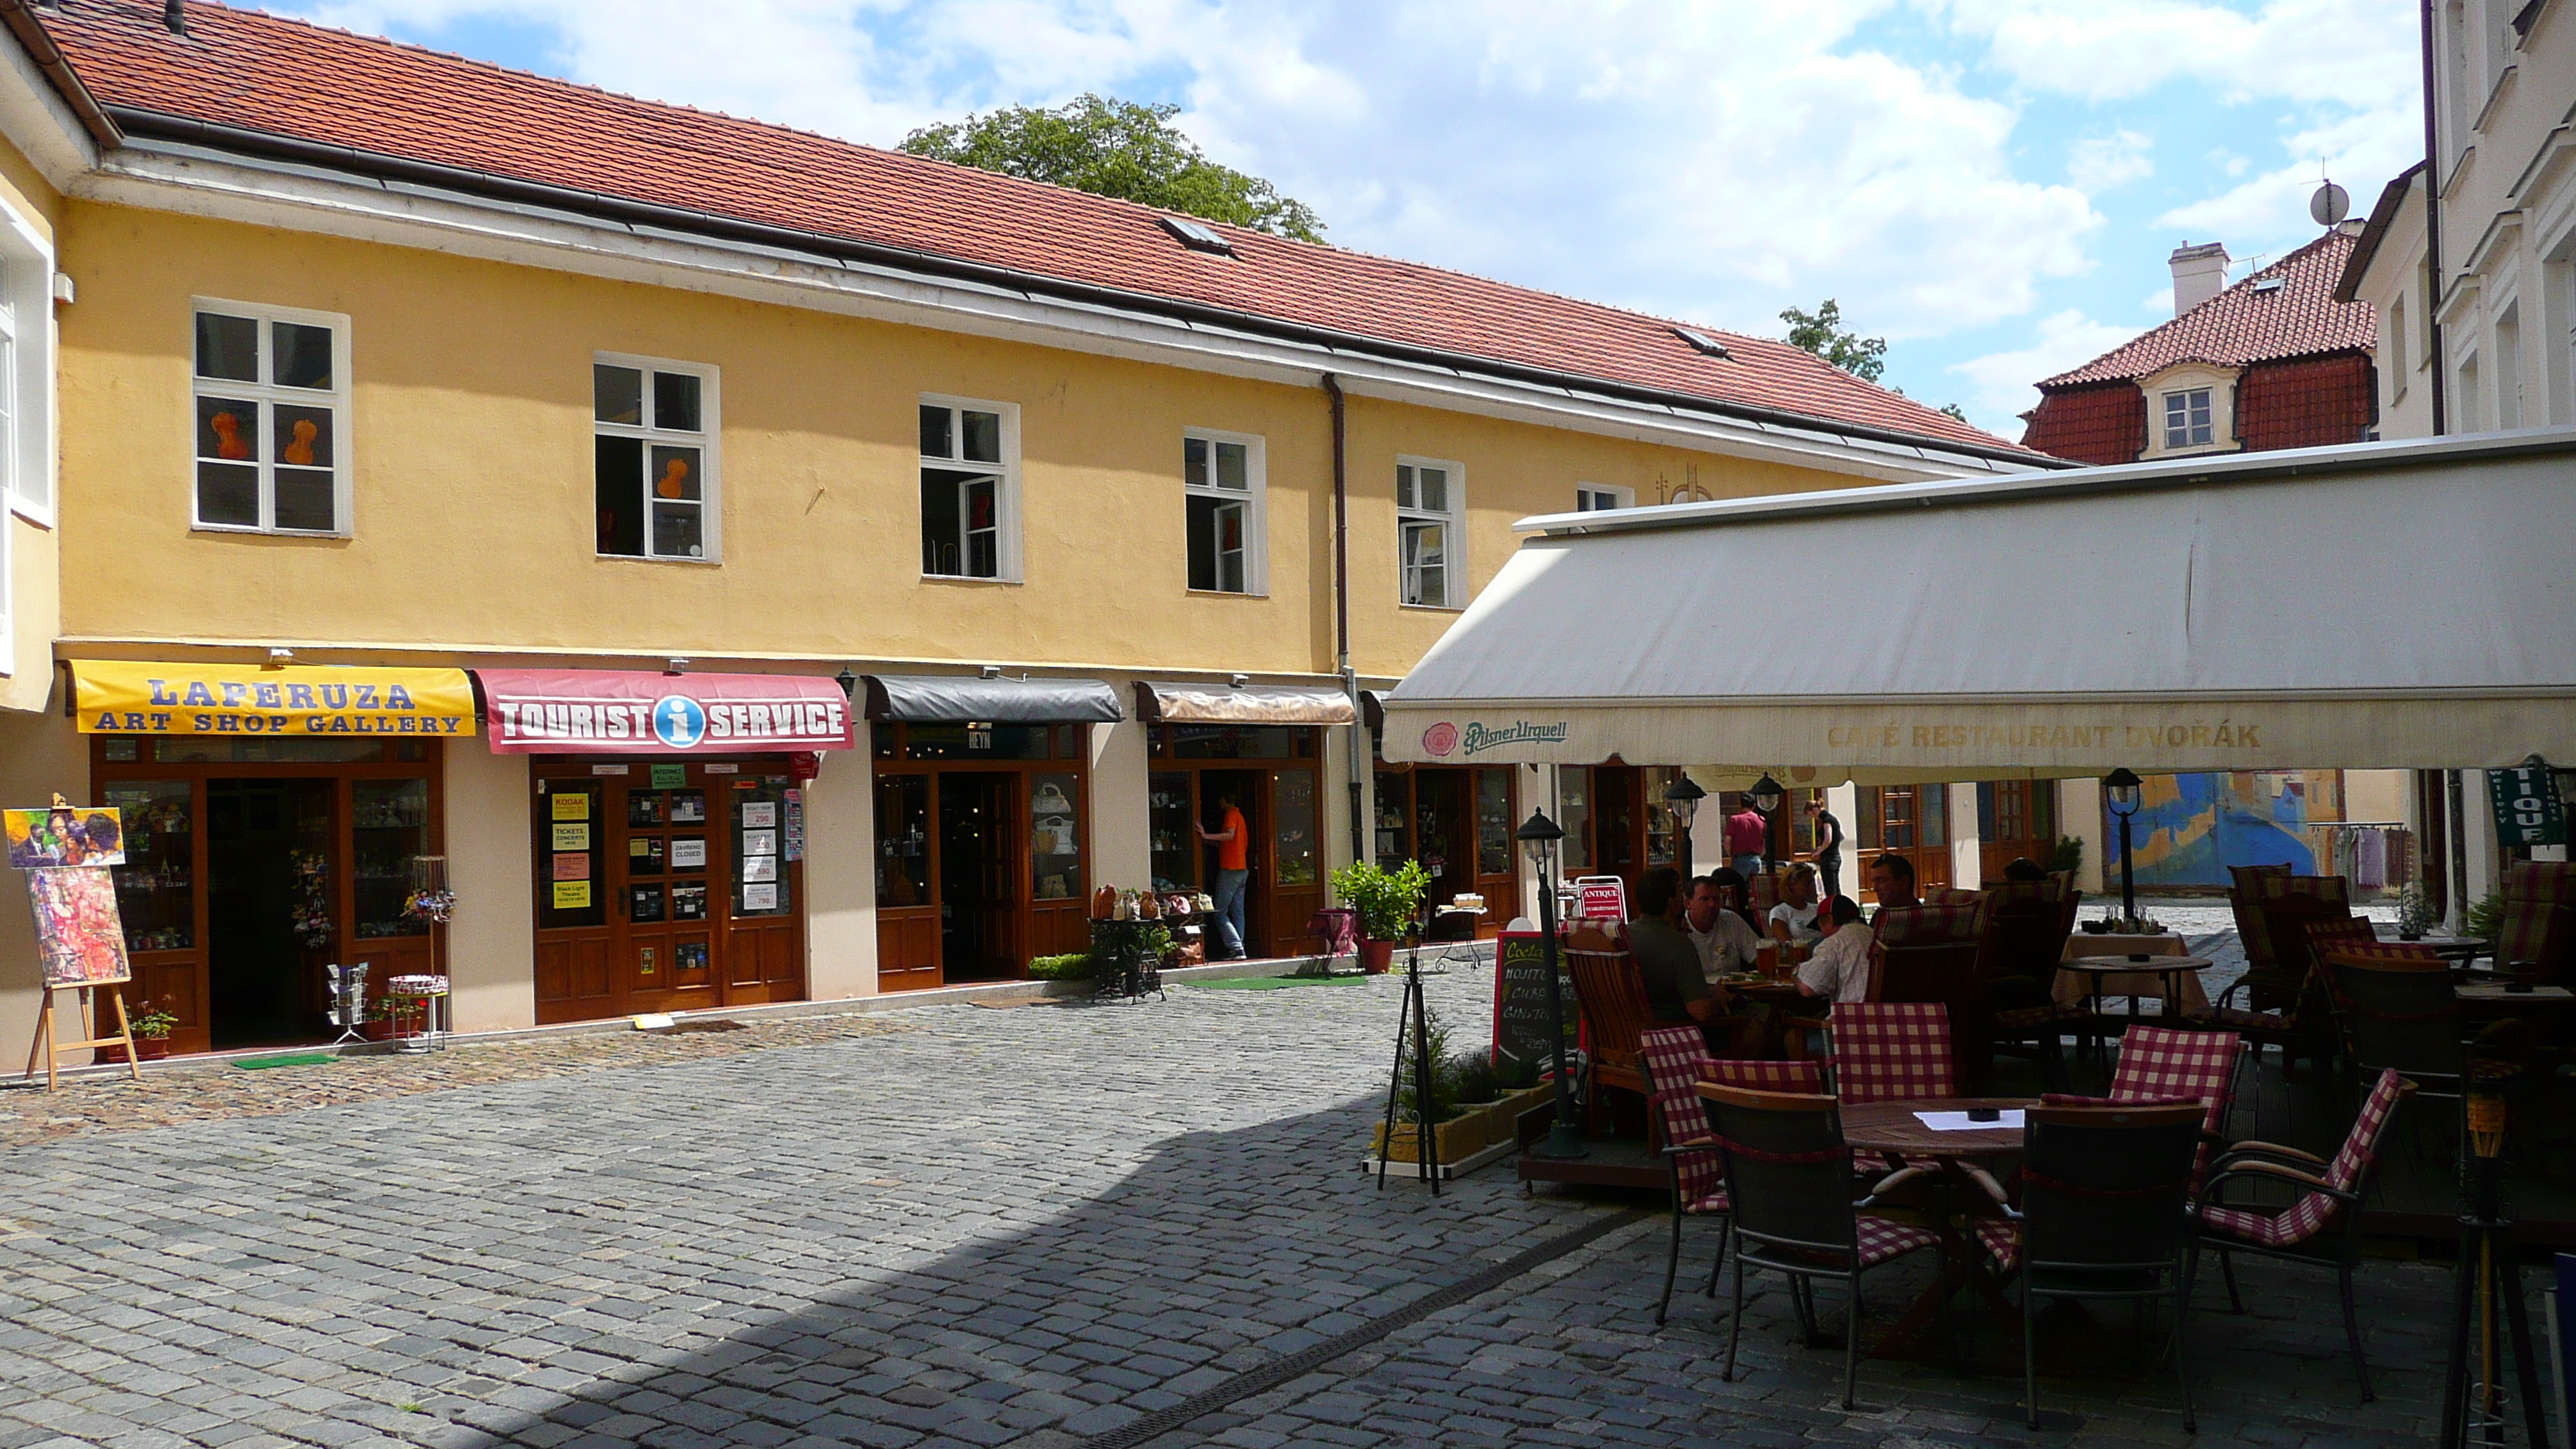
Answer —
66 851
79 939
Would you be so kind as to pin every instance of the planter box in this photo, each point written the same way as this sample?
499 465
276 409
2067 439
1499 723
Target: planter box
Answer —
1452 1141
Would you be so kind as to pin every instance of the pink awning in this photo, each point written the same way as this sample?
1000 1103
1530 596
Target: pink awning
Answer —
619 712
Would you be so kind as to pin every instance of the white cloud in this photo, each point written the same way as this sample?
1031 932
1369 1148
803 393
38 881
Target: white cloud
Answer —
2095 164
2346 52
2004 380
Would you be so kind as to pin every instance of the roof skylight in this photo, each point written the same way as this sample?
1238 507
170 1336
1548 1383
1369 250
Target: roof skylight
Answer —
2266 285
1196 237
1702 342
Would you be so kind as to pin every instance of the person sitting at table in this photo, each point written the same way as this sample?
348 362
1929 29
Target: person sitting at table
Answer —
1839 968
1668 965
1793 921
1891 878
2023 868
1725 943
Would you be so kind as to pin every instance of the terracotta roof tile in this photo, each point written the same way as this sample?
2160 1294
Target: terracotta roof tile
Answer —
2242 325
290 78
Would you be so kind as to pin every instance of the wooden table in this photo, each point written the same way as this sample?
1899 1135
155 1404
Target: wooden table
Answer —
2083 943
1893 1127
2485 993
2177 982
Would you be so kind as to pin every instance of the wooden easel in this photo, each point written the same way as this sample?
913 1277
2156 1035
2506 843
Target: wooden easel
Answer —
51 1048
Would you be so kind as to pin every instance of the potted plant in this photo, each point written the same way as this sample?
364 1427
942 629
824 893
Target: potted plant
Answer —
2414 914
1388 902
152 1033
379 1025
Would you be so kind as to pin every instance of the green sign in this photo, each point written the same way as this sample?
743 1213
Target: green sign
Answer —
2527 809
670 777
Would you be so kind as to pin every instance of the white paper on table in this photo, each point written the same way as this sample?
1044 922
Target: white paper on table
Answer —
1958 1121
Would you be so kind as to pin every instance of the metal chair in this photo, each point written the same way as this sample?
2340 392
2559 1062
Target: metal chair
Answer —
2104 1213
1676 1061
1789 1177
2299 1233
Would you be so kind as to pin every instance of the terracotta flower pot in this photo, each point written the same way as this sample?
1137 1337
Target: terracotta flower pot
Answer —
1376 957
151 1048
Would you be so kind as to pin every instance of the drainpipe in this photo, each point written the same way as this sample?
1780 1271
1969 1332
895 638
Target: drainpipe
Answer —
1342 620
2452 834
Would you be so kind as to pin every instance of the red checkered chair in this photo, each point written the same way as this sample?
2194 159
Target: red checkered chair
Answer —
2322 1228
2160 1065
1675 1060
1892 1051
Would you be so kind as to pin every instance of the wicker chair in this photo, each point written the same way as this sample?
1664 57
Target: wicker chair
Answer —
1929 954
2017 958
2322 1228
2287 1001
1612 999
2534 890
2104 1213
1789 1177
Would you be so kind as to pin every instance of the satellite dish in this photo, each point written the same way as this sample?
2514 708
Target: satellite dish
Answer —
2330 205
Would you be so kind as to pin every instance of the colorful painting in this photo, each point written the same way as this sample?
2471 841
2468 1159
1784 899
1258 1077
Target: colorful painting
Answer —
2190 828
63 835
79 939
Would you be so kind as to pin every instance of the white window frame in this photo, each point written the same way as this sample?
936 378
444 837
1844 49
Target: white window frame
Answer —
2186 378
1454 568
336 398
27 452
2198 415
1006 501
1256 501
1602 497
707 440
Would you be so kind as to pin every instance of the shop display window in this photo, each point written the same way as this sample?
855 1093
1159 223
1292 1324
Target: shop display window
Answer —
389 825
1293 829
1494 824
903 840
758 819
1663 829
155 888
1172 822
1394 802
1055 849
1574 806
570 889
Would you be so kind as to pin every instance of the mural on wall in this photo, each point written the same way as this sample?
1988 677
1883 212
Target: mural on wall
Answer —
2190 828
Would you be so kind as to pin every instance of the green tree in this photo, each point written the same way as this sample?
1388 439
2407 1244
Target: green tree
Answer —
1956 411
1821 332
1116 148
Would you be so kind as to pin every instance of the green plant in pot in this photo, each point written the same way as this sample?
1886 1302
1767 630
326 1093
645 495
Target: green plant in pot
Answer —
152 1033
1388 903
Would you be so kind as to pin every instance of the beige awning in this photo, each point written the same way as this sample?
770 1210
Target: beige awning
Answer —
1158 701
2386 605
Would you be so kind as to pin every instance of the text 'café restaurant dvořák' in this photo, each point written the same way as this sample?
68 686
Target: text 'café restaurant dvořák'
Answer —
273 815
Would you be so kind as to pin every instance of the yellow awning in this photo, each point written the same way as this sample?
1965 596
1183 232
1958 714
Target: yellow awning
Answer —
118 697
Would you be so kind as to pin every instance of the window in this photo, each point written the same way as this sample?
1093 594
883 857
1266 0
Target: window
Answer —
2187 419
1221 479
1601 497
969 504
654 438
272 402
1430 561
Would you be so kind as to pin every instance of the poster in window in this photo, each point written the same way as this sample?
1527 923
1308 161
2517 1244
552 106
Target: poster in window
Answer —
79 940
572 837
643 809
646 902
644 855
644 961
572 865
760 867
572 805
689 956
688 902
760 897
572 895
760 842
760 814
791 843
688 852
670 777
688 807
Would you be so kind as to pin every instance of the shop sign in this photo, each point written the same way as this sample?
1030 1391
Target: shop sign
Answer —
2527 808
117 697
597 711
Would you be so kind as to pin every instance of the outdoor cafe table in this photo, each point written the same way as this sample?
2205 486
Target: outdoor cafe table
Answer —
2085 980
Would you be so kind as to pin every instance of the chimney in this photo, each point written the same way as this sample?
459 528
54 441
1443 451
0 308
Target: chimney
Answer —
174 14
2199 273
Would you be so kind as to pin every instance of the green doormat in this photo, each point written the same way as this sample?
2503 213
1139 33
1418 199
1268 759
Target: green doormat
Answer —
1272 983
300 1059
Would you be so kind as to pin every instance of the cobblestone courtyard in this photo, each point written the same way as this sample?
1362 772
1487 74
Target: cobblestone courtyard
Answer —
954 1226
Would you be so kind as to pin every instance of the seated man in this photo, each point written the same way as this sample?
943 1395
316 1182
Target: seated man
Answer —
1668 964
1891 877
1793 921
2023 868
1726 944
1839 969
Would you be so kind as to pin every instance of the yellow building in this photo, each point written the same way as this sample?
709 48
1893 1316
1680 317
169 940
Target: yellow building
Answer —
1062 518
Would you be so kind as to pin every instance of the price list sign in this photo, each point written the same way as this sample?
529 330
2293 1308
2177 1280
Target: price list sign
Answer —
1520 998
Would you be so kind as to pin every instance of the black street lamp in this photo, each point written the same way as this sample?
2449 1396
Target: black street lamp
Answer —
1540 836
1682 797
2120 792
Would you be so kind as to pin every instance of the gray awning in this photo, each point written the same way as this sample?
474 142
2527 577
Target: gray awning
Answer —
1257 704
957 698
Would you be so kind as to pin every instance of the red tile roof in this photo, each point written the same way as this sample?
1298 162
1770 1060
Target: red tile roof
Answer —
2241 325
2105 422
290 78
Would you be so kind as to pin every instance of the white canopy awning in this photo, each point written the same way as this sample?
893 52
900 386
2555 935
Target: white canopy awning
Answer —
2384 605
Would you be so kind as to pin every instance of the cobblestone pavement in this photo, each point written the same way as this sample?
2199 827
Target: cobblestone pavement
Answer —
1030 1226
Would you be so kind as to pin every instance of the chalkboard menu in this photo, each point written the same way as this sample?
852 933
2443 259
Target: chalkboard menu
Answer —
1520 998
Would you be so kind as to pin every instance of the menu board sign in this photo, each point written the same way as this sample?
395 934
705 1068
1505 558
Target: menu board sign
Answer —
1520 998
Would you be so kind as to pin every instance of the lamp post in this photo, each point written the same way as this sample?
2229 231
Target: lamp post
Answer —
1765 797
1539 836
1682 797
2120 792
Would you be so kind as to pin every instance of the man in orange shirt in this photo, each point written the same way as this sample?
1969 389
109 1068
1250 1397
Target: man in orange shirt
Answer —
1232 874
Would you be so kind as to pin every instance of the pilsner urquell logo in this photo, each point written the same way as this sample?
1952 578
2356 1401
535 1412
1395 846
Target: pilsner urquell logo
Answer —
1519 732
1440 739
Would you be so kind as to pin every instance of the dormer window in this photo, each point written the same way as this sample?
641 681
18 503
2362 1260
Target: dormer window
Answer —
2190 408
2187 419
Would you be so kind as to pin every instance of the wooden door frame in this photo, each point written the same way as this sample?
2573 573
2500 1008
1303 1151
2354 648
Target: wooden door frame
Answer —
1022 924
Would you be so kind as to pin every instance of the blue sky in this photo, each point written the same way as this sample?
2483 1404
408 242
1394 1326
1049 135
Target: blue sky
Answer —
1994 185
